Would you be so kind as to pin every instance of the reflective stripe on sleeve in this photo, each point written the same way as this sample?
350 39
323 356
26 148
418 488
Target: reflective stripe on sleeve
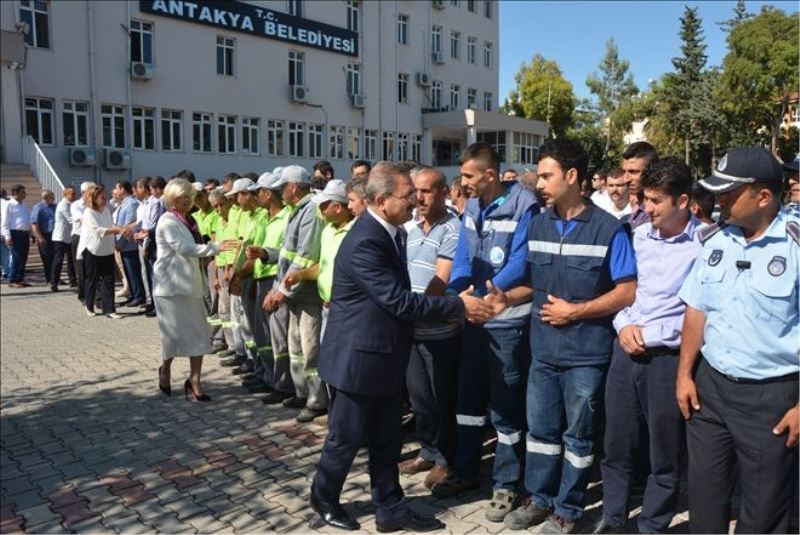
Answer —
499 225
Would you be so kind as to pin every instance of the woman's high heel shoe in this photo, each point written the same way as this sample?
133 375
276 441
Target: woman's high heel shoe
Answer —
187 389
166 390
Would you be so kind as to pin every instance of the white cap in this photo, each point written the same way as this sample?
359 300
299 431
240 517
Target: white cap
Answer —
240 185
335 190
198 186
267 180
296 174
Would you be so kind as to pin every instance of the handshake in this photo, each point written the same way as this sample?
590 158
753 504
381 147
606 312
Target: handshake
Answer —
482 309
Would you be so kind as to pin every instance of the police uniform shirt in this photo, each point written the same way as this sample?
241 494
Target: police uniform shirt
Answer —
749 295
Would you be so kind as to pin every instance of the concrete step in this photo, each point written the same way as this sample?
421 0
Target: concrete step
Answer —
10 175
12 170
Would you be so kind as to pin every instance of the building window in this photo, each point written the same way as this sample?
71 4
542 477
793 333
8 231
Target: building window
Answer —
144 128
34 14
471 6
75 122
201 131
402 29
436 40
487 55
141 41
113 120
353 79
295 8
402 147
487 8
455 92
171 130
472 97
250 135
525 148
472 44
455 45
315 141
352 15
436 95
354 143
226 134
487 101
274 138
39 119
416 148
454 3
296 70
337 142
402 88
496 139
297 132
371 144
388 146
225 49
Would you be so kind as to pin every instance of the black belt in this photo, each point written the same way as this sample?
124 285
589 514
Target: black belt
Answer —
661 350
747 381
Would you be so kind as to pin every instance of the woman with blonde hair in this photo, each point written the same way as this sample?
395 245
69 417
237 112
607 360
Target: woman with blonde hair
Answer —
178 288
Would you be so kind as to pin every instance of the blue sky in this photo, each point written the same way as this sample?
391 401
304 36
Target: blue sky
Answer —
574 34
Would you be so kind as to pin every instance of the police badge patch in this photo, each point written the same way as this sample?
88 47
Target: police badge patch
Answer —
776 266
716 256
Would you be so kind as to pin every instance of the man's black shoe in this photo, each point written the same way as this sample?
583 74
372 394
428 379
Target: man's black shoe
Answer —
333 514
136 303
236 360
226 353
275 398
295 403
251 380
150 312
218 347
411 522
244 368
604 527
258 389
54 288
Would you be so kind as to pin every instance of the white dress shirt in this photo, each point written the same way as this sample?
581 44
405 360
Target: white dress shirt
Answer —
62 230
391 229
76 211
15 217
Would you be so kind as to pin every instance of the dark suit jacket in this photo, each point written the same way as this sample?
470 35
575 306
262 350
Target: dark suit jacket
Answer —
370 327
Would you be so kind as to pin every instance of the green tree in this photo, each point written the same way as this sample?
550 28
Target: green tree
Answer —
542 93
760 72
612 87
740 14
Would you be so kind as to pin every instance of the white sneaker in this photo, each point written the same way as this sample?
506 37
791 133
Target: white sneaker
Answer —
114 316
90 313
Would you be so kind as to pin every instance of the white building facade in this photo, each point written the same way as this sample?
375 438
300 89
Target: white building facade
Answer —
119 89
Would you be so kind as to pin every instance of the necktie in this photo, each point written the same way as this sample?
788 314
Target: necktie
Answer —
401 247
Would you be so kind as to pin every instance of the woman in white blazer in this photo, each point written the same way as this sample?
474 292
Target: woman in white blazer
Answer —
178 288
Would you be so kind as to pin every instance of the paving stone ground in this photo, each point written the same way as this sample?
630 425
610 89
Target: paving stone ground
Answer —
87 445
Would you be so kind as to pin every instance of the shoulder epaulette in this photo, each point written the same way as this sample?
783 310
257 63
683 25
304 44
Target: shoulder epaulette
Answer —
793 230
706 232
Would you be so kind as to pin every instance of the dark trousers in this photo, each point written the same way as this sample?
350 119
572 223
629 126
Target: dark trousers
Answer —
431 382
60 250
734 425
133 273
78 267
642 389
46 252
19 254
99 272
351 418
149 262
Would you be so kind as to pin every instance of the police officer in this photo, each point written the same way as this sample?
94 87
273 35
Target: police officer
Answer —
740 396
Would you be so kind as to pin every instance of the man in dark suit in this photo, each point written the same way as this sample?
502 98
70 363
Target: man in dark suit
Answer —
366 350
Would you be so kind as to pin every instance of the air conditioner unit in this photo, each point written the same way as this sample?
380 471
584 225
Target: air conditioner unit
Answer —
438 4
423 79
299 93
142 71
438 57
82 157
358 100
117 159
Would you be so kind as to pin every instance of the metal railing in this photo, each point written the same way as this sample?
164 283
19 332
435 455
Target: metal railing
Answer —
33 156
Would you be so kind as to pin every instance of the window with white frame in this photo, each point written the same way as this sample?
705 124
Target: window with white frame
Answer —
337 142
315 133
525 148
144 128
455 93
416 148
497 139
75 123
436 40
402 146
226 47
472 97
471 6
402 29
353 143
487 55
274 138
171 130
296 67
388 146
295 8
371 144
39 119
250 135
201 131
455 45
35 14
297 132
436 94
352 15
353 79
472 44
141 41
226 134
402 88
488 97
112 119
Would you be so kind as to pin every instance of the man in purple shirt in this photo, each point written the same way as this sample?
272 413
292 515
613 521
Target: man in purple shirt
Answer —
641 379
636 157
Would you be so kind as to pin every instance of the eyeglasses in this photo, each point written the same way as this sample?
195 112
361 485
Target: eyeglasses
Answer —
406 197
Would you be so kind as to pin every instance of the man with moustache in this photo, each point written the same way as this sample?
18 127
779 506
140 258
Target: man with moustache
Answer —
635 158
618 195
